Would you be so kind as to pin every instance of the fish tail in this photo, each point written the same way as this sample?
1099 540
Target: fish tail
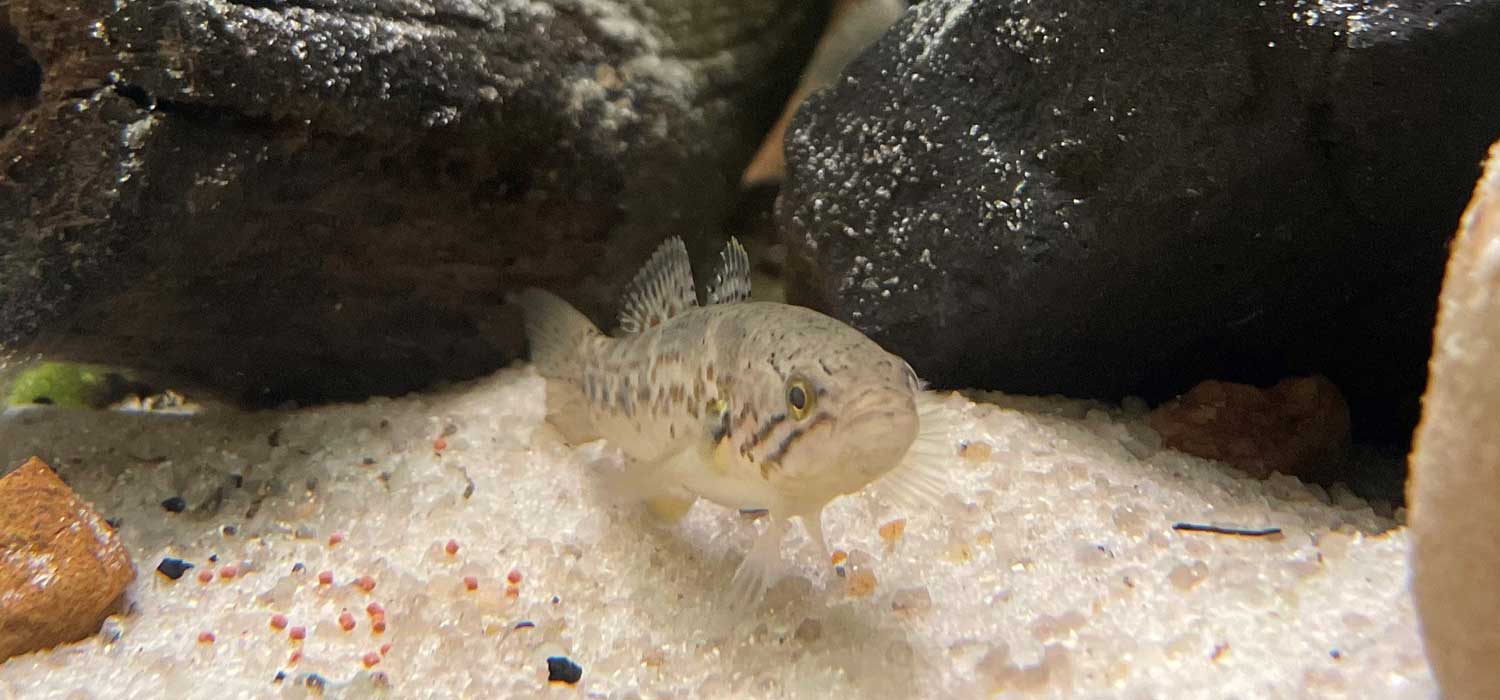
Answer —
556 332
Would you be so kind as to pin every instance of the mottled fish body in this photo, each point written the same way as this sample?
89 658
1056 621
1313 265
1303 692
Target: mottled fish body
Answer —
752 405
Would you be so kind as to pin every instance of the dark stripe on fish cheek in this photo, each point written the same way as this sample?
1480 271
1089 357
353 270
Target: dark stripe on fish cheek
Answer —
765 430
792 437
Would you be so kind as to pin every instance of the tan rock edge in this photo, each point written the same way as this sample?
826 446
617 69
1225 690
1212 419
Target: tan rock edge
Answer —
1454 489
62 568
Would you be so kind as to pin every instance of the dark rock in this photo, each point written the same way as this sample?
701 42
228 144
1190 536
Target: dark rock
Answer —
1102 199
174 504
173 568
561 669
315 200
20 76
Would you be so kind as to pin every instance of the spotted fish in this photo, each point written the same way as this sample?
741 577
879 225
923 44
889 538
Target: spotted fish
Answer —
751 405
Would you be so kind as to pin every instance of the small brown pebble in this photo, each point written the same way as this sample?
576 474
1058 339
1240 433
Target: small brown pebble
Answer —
892 531
346 620
205 576
229 571
976 451
861 584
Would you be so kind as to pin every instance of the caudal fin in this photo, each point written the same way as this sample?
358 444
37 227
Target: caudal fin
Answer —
556 332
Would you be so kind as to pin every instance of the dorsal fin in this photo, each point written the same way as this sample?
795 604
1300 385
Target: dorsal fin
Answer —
661 289
732 277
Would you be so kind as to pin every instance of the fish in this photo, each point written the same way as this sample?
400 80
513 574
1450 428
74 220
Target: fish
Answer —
753 405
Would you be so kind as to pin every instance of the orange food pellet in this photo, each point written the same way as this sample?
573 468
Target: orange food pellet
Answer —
378 626
325 577
514 577
451 548
371 658
365 583
346 620
278 621
205 637
205 576
229 571
297 633
439 444
892 530
335 539
375 610
471 583
839 556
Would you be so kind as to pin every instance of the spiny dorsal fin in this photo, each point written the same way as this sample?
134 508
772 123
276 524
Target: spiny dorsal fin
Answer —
661 289
732 278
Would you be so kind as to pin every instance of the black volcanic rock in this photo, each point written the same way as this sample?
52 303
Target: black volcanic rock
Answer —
1111 198
323 200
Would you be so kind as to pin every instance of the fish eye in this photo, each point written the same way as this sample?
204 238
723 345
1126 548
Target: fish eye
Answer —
799 398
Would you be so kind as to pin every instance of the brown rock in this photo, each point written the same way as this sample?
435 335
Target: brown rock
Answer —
1454 490
62 569
1298 427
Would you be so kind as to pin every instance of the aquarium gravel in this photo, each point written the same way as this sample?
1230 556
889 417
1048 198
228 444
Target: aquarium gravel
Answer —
452 545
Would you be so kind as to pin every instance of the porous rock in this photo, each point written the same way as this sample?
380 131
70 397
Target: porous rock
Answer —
62 568
323 200
1298 427
1455 470
1106 199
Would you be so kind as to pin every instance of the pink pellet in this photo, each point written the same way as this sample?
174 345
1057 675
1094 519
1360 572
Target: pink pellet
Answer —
325 577
335 539
514 577
371 658
205 637
346 620
451 548
278 621
297 633
365 583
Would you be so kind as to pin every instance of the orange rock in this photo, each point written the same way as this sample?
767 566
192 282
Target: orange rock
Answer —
1454 492
62 569
1298 427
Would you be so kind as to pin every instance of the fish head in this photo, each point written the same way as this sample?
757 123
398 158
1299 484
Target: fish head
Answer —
851 413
